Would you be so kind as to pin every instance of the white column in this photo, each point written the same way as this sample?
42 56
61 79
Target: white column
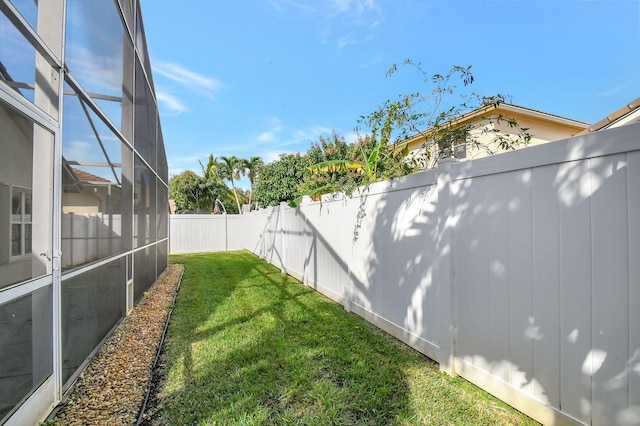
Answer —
45 220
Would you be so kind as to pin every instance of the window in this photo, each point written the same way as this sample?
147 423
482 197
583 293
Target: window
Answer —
452 147
460 150
20 222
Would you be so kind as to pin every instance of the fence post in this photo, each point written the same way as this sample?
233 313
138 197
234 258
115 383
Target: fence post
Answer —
283 242
445 265
226 232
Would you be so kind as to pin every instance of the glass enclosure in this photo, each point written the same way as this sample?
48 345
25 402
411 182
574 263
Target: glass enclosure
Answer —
18 58
95 302
25 202
93 185
25 346
83 190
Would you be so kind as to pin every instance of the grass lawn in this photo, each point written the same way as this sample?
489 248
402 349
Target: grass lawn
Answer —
248 345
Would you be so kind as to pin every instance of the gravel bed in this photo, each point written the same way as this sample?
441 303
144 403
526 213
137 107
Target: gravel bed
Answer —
112 389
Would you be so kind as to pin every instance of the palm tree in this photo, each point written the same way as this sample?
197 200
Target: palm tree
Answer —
210 172
231 168
253 166
211 176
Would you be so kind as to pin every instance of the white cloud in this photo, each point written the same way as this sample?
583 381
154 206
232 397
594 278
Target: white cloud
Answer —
359 5
270 135
173 104
100 73
21 50
377 23
309 134
372 61
351 137
327 9
344 41
291 141
271 156
275 122
274 140
178 164
364 16
266 137
195 82
77 150
612 91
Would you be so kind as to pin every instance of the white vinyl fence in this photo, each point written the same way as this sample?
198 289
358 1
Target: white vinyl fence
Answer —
87 237
519 272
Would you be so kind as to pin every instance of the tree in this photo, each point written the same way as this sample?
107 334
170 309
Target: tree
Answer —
212 174
210 171
253 166
230 169
190 192
322 180
279 181
348 166
366 164
212 180
433 116
334 147
330 165
198 194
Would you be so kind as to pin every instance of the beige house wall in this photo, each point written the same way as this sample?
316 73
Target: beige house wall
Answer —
91 200
80 203
542 127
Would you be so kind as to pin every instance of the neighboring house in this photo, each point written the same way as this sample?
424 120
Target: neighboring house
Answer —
86 193
543 127
628 114
91 220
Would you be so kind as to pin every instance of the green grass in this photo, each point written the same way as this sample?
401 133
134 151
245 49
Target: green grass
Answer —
248 345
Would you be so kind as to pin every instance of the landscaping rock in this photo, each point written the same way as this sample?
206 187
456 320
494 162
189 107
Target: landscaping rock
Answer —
112 389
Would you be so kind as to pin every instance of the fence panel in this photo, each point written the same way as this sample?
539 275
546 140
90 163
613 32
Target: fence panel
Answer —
328 263
521 276
632 413
400 286
575 275
272 241
543 328
561 287
89 237
236 232
294 238
610 289
254 226
192 233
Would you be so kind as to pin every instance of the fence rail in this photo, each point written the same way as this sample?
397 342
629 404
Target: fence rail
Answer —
519 272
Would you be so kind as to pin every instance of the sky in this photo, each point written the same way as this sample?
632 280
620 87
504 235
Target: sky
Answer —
268 77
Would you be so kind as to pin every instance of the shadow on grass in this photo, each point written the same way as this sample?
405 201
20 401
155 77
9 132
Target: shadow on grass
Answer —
249 345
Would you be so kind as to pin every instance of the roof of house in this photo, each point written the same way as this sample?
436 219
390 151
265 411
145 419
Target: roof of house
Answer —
522 110
616 116
74 179
83 176
512 108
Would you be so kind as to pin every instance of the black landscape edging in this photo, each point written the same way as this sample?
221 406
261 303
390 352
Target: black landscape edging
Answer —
143 408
